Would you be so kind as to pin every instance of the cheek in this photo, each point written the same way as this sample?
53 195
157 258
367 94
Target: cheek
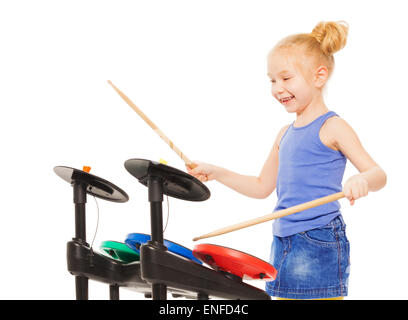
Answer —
299 90
294 89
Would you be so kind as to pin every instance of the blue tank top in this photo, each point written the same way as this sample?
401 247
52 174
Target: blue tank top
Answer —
308 170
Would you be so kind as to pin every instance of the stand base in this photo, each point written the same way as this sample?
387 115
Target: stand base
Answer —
175 272
85 265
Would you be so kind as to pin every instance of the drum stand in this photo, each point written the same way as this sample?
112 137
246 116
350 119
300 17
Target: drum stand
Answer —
81 282
155 195
82 261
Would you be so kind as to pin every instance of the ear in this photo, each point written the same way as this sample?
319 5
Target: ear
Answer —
321 76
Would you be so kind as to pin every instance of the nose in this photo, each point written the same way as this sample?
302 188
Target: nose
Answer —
277 89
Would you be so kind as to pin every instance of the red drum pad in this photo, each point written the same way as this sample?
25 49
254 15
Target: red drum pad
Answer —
235 262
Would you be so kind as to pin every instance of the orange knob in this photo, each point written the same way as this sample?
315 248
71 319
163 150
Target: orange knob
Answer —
86 169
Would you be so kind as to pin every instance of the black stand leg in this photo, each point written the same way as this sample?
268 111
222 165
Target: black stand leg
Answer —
155 187
156 222
81 283
202 296
81 286
114 292
80 219
159 291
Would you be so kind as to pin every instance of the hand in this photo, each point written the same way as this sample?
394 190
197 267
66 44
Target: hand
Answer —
202 171
355 188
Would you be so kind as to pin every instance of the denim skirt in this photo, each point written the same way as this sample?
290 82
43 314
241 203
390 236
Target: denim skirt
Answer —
312 264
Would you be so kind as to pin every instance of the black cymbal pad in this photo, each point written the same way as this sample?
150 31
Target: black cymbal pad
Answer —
95 186
176 183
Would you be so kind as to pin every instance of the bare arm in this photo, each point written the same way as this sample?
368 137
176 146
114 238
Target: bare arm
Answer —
255 187
371 176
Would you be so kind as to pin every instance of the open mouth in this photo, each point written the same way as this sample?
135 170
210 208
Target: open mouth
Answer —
286 100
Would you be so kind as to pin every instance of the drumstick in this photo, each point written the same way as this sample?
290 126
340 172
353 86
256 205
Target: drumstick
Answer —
186 160
274 215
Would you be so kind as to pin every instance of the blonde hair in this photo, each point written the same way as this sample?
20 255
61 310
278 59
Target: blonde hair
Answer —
325 39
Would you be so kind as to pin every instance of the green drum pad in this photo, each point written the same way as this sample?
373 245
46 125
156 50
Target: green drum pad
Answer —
119 251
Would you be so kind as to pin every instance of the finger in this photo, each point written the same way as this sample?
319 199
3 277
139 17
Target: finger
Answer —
352 202
194 171
191 165
356 193
347 193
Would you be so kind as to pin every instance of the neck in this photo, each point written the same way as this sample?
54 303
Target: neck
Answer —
312 111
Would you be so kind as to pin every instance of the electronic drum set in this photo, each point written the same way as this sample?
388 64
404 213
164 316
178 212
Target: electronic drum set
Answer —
150 264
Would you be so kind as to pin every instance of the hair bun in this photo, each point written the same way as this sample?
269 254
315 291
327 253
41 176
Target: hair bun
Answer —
332 36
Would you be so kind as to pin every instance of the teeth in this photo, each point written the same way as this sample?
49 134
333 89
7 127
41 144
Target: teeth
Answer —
286 99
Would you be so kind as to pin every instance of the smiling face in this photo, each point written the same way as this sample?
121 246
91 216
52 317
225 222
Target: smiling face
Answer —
293 83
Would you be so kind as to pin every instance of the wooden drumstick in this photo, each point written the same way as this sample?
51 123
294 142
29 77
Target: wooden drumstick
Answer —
186 160
274 215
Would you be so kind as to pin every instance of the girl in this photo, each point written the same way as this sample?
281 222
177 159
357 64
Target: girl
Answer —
310 249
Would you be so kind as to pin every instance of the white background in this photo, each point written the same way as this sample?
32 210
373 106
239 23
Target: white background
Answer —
198 70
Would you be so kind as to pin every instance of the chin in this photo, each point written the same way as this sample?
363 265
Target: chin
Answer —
291 109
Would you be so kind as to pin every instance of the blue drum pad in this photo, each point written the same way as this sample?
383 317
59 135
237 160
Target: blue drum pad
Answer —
135 240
